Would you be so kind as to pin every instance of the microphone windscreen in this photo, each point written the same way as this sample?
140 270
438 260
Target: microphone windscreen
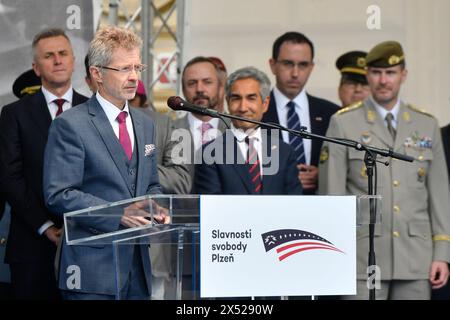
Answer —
175 103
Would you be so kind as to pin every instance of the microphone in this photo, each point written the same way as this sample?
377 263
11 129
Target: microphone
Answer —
177 104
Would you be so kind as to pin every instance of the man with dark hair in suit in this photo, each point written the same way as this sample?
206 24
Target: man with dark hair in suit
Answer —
292 63
34 231
247 159
100 152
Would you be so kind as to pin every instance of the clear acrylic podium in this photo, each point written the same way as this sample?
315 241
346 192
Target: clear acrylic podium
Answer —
173 247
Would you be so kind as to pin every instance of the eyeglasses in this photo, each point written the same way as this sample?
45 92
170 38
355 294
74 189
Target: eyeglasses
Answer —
288 64
138 68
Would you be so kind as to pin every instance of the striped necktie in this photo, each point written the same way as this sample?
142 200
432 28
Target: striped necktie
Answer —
296 142
253 165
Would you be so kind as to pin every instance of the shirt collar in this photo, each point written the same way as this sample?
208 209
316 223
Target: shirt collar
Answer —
50 97
241 134
383 112
110 109
196 123
301 100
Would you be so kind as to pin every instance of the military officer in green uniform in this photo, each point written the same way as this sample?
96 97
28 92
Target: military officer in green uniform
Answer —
412 242
353 86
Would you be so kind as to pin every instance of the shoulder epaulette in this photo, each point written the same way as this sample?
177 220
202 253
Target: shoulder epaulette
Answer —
351 107
422 111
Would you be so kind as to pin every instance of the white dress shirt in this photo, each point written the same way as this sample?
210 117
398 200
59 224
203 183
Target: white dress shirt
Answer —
383 112
112 112
52 106
195 126
240 137
302 109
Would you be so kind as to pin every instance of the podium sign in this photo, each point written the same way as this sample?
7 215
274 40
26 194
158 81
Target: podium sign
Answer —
277 245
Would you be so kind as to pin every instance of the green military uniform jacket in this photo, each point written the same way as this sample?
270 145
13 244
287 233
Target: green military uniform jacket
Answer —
415 227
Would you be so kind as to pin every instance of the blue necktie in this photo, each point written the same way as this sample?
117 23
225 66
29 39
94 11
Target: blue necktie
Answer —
295 141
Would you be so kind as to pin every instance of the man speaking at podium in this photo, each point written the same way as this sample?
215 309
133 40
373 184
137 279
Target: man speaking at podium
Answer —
103 151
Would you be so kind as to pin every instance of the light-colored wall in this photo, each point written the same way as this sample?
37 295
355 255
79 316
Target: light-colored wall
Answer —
241 32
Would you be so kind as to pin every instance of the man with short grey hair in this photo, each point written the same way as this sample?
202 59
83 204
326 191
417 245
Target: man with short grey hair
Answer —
34 230
101 152
250 160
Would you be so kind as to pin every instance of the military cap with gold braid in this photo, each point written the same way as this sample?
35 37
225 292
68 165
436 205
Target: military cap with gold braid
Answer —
352 66
385 55
27 83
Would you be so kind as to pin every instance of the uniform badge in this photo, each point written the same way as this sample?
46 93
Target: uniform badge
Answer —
394 60
361 62
364 171
371 116
406 116
324 154
421 174
417 142
365 137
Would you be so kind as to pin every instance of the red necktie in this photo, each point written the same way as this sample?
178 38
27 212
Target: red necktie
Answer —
59 103
253 162
124 137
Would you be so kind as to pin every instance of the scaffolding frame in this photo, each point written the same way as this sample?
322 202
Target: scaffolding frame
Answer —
144 18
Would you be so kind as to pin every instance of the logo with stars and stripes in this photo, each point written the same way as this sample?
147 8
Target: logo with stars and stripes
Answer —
288 242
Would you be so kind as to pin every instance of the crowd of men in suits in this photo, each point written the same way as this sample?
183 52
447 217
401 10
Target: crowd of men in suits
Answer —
62 152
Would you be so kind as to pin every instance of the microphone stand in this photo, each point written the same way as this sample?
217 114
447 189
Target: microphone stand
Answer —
370 159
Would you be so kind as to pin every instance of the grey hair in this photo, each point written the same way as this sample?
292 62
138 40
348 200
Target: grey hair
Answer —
249 73
47 33
107 40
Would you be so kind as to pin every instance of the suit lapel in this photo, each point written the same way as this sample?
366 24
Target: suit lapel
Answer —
77 99
139 135
241 169
39 112
271 114
267 148
317 123
101 122
376 124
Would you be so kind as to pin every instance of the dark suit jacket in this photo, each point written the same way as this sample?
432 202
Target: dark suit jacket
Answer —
23 135
320 112
234 178
445 131
2 205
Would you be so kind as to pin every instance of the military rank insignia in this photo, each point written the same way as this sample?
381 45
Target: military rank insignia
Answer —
364 171
406 116
365 137
324 154
417 142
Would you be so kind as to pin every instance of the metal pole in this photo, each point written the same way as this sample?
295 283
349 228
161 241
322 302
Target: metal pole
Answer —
146 22
113 17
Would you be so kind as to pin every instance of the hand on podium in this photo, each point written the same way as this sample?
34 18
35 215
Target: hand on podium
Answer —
138 214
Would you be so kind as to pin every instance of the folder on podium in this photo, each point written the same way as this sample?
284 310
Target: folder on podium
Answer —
173 247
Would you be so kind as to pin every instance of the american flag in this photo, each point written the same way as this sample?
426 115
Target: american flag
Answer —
290 241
